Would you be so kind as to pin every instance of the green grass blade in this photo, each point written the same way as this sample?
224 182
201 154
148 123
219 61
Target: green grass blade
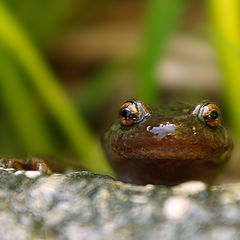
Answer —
23 110
225 20
88 148
162 18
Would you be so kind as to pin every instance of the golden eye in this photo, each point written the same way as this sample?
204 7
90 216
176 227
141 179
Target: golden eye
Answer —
132 111
209 113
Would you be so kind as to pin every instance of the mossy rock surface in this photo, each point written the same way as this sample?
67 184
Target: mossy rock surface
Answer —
82 205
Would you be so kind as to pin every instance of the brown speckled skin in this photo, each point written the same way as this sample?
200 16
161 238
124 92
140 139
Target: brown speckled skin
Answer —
193 151
36 163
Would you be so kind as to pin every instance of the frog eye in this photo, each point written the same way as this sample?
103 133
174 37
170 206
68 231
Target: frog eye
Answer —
132 111
210 113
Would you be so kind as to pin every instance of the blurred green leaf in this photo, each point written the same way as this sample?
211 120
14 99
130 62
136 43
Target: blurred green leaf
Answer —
225 20
14 38
162 17
24 114
43 19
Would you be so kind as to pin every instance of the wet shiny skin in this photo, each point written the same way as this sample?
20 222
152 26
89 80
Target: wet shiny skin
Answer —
169 146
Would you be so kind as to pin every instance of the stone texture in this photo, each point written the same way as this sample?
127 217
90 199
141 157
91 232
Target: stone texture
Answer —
83 205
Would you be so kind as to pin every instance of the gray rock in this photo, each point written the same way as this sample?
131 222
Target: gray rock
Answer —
83 205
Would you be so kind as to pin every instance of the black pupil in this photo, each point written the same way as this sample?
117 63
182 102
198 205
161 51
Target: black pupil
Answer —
125 113
214 114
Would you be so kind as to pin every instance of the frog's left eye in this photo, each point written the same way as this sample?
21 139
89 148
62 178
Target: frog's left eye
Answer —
132 111
210 113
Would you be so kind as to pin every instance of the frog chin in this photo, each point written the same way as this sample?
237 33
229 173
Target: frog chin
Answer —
156 170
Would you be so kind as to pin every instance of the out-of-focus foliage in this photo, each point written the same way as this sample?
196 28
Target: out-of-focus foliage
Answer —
23 109
225 31
42 19
89 99
14 40
162 17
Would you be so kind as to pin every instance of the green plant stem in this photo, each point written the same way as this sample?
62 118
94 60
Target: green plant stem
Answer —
76 129
225 20
162 17
22 108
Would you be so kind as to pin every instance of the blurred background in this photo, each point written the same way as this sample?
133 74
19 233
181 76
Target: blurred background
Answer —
67 65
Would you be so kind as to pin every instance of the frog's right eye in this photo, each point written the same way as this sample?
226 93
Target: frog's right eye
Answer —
209 113
132 112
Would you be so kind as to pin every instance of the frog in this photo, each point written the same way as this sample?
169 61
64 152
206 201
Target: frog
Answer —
167 144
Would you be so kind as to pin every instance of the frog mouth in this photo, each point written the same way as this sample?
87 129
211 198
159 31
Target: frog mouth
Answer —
201 152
